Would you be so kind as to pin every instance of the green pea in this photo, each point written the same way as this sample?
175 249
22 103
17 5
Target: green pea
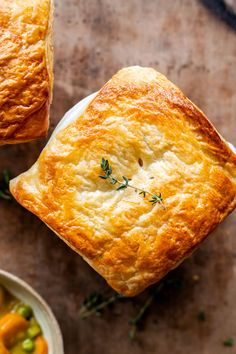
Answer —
34 331
25 311
33 322
28 345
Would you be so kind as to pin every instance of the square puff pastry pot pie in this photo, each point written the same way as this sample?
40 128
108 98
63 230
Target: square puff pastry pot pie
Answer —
25 69
138 114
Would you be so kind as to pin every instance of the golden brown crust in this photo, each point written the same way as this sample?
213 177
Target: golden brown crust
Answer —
132 244
25 69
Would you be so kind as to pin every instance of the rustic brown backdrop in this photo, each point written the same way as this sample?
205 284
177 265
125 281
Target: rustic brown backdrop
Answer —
93 39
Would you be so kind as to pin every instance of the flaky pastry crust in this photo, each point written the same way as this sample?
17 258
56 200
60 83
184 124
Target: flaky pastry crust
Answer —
138 114
25 69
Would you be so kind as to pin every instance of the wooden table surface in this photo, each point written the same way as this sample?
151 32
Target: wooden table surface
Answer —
93 39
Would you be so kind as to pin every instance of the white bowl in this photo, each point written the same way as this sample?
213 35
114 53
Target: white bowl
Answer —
43 313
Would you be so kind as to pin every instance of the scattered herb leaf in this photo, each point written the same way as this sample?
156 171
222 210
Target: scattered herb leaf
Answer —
229 342
96 302
107 169
4 185
135 322
201 316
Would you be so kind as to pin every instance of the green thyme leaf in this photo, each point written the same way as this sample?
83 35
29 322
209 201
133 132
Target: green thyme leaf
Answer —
156 199
122 186
113 180
201 316
126 180
6 176
229 342
143 193
104 164
4 185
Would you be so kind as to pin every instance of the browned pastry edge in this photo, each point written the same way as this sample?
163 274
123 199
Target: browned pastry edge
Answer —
35 126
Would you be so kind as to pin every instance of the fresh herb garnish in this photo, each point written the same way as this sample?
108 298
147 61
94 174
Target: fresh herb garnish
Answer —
96 302
201 316
135 322
107 169
229 342
4 185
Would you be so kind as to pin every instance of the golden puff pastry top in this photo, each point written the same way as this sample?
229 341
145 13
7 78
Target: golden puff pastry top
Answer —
138 114
25 69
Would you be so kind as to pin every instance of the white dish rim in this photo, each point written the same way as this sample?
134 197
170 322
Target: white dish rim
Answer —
18 287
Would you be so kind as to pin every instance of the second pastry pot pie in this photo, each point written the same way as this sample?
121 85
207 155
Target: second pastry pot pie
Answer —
25 69
147 135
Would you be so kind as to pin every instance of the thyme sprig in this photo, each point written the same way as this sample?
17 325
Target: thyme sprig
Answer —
107 169
4 186
229 342
135 322
95 303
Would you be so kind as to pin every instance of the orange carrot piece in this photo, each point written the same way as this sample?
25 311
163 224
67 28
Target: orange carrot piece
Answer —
41 346
3 349
10 325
